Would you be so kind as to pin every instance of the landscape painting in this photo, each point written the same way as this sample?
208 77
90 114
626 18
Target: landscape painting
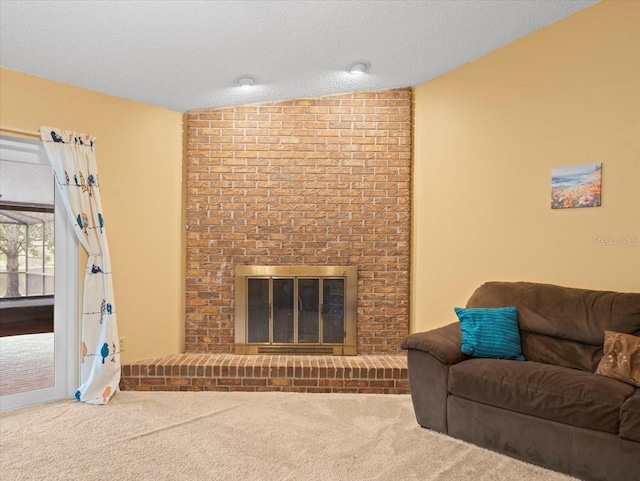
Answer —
576 186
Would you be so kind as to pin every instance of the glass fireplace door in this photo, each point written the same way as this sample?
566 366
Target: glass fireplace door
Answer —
309 311
258 310
333 311
296 309
283 311
288 310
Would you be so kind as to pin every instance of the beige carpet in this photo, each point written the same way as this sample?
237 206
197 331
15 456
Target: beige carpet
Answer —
242 436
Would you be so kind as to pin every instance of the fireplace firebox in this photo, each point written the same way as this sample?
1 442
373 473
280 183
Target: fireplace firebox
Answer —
296 309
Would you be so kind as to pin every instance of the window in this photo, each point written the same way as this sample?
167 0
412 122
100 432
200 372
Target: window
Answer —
27 246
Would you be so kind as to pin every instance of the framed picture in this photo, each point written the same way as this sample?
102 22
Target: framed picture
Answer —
576 186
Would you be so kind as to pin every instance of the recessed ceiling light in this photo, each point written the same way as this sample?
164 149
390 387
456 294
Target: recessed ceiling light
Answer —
246 81
359 67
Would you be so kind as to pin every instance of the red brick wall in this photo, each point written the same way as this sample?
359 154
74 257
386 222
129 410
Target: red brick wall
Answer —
310 181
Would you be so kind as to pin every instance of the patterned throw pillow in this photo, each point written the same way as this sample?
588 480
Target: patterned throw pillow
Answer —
490 332
621 358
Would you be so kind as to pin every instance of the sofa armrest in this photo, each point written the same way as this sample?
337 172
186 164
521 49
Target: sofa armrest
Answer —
443 343
429 356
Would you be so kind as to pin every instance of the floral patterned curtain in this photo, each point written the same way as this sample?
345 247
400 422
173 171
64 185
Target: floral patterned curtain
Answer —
74 166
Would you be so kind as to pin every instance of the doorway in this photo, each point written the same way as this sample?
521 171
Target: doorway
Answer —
38 281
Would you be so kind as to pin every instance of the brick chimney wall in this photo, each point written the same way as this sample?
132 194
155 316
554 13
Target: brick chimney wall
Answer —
310 181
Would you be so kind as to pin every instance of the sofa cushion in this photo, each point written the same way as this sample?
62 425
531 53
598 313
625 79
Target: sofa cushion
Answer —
621 358
560 352
551 392
567 313
630 418
491 333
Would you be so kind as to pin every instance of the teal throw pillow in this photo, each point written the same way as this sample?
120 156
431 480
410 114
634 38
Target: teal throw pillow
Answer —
490 332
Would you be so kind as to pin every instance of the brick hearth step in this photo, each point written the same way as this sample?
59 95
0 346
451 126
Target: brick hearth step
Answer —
373 374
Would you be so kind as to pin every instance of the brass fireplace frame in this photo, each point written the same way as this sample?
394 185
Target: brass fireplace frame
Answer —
350 275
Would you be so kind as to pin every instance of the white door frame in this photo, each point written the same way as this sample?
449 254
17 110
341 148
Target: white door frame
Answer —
66 325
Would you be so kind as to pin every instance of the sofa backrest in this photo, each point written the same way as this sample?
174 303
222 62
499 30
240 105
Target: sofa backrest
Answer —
563 325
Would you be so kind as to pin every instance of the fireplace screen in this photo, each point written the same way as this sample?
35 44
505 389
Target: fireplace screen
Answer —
296 309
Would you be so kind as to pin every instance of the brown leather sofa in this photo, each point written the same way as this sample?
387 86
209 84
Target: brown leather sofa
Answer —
552 409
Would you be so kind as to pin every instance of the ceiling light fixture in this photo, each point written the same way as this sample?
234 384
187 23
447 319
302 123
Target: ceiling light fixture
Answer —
359 67
246 81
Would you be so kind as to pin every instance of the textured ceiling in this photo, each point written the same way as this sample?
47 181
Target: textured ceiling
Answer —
186 54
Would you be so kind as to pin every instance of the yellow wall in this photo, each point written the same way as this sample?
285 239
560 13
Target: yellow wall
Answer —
139 153
486 138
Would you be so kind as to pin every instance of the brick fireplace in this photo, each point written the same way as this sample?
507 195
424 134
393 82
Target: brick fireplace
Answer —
322 181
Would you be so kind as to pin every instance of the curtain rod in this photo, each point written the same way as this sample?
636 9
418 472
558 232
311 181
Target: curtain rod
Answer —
30 133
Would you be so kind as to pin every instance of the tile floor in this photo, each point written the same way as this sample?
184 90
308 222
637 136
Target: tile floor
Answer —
26 362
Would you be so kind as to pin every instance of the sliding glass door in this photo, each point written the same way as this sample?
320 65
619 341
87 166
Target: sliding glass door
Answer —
38 279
